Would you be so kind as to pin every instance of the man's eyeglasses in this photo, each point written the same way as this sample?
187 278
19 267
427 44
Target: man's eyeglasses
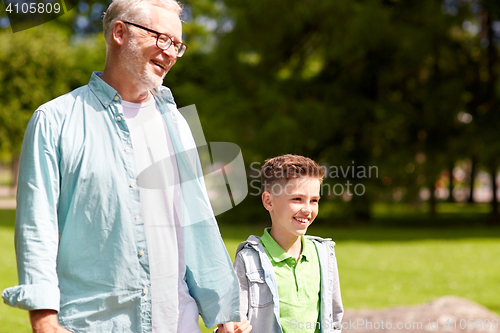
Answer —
163 41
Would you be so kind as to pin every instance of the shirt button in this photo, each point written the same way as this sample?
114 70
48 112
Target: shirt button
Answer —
119 118
106 103
144 291
127 149
132 184
141 253
137 217
116 98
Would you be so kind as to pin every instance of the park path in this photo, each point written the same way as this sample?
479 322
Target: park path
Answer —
7 197
447 314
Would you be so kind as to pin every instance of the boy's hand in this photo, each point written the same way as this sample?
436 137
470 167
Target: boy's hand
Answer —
242 327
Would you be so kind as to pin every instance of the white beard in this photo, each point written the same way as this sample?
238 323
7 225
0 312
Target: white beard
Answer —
138 68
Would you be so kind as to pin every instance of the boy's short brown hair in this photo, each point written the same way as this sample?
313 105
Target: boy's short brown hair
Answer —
281 169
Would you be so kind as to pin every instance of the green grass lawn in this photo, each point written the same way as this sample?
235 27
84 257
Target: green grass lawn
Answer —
11 320
379 267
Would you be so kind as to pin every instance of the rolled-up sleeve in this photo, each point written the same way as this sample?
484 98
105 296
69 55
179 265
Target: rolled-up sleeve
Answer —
36 232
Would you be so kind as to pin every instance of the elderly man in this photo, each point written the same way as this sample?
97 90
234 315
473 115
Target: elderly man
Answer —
96 250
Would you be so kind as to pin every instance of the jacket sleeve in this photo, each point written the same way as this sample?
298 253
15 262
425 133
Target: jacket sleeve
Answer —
36 232
239 267
337 307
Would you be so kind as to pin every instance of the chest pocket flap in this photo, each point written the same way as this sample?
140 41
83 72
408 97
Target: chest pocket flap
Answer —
259 292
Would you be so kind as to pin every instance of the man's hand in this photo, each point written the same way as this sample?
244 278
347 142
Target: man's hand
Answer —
242 327
45 321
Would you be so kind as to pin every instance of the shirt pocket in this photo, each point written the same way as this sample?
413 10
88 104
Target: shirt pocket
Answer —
260 294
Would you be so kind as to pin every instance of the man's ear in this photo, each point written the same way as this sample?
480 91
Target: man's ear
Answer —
119 31
267 201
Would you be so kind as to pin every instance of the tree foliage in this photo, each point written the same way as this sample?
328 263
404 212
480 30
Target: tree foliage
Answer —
410 87
366 82
37 65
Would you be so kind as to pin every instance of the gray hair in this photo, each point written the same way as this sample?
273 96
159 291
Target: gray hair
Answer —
128 10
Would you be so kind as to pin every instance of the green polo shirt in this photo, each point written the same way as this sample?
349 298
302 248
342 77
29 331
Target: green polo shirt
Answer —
298 285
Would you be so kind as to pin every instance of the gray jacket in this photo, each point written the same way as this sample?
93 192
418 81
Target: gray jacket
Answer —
259 292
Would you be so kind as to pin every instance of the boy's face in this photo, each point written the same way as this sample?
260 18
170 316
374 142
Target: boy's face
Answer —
293 206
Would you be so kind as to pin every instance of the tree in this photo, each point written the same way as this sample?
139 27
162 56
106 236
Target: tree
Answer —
374 82
483 103
38 65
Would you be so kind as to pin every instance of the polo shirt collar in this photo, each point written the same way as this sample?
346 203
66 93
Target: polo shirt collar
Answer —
277 253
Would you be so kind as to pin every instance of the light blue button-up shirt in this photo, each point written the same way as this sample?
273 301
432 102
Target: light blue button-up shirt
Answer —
80 240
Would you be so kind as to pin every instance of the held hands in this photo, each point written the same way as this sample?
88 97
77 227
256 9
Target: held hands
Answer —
45 321
242 327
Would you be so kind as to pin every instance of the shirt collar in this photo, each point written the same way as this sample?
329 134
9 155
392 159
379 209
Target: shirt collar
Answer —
103 91
277 253
107 94
306 250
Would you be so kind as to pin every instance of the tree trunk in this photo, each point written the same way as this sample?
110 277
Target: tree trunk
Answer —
450 185
14 173
491 98
494 202
432 198
361 207
472 179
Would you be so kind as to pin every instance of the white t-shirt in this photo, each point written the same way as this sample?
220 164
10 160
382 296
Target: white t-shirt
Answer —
173 308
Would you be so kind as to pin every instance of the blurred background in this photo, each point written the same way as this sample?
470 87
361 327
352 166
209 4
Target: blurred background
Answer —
397 99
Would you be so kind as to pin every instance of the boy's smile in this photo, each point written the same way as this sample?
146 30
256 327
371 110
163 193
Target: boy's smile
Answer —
293 207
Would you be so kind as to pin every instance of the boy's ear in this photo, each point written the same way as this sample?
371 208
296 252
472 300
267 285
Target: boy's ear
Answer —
266 200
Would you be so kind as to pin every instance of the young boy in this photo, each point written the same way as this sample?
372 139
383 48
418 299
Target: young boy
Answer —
288 281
